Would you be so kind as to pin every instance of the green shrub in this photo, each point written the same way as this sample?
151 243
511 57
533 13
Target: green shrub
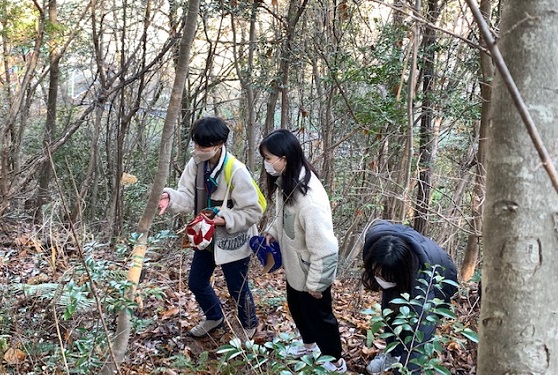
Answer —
412 313
268 358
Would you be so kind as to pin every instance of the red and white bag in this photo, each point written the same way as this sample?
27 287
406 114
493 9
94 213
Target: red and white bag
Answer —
200 232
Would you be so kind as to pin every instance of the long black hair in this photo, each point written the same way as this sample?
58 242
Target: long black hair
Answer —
209 131
392 259
283 143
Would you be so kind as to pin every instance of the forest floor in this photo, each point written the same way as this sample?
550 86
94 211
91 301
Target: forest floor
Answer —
156 347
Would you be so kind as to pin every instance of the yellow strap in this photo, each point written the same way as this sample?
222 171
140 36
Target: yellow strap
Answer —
228 172
228 167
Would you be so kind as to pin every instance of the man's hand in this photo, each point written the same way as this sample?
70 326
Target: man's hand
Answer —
163 203
219 221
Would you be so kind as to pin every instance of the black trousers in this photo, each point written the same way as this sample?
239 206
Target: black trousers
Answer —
315 320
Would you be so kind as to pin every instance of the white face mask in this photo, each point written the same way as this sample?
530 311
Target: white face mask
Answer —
200 155
385 284
270 169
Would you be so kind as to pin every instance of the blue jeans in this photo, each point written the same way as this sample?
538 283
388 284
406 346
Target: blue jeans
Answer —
236 276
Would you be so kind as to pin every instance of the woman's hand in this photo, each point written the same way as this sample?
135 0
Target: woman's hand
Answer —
269 239
316 295
163 203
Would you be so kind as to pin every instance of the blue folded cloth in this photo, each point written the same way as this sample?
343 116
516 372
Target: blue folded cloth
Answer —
269 256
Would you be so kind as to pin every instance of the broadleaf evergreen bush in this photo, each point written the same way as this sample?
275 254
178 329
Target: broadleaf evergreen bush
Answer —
412 313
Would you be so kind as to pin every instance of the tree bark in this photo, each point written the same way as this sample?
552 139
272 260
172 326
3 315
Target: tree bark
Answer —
474 240
50 124
173 115
426 134
401 206
518 313
251 95
9 141
247 84
293 16
77 210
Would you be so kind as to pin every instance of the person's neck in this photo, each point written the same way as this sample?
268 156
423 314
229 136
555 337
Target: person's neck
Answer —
214 160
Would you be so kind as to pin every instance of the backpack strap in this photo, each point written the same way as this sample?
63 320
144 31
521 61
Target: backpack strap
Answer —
227 168
228 173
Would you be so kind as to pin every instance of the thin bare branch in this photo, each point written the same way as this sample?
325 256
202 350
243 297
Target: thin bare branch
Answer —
515 95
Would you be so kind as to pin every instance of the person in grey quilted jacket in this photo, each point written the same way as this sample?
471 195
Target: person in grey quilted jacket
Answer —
395 258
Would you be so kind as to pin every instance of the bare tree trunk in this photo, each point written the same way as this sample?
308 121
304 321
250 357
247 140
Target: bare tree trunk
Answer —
328 34
293 16
250 95
400 4
129 104
398 170
5 131
284 65
271 104
426 147
8 132
474 240
327 137
77 211
401 205
270 108
454 223
124 119
517 324
247 86
50 125
173 115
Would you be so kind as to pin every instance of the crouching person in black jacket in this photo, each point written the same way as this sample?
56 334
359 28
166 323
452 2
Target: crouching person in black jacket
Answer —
395 258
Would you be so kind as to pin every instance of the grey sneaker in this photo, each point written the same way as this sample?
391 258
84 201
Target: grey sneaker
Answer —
206 327
382 362
296 349
336 369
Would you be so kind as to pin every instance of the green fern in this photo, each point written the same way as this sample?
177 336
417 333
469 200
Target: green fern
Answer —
65 299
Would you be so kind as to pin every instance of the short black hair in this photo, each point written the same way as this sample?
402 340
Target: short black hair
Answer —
209 131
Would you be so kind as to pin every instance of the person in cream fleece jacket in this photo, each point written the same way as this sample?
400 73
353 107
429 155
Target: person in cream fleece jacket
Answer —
210 157
309 249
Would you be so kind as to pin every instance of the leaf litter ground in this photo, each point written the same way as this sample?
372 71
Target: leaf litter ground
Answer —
153 347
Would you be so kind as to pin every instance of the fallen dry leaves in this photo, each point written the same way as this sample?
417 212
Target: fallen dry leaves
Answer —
172 317
14 356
